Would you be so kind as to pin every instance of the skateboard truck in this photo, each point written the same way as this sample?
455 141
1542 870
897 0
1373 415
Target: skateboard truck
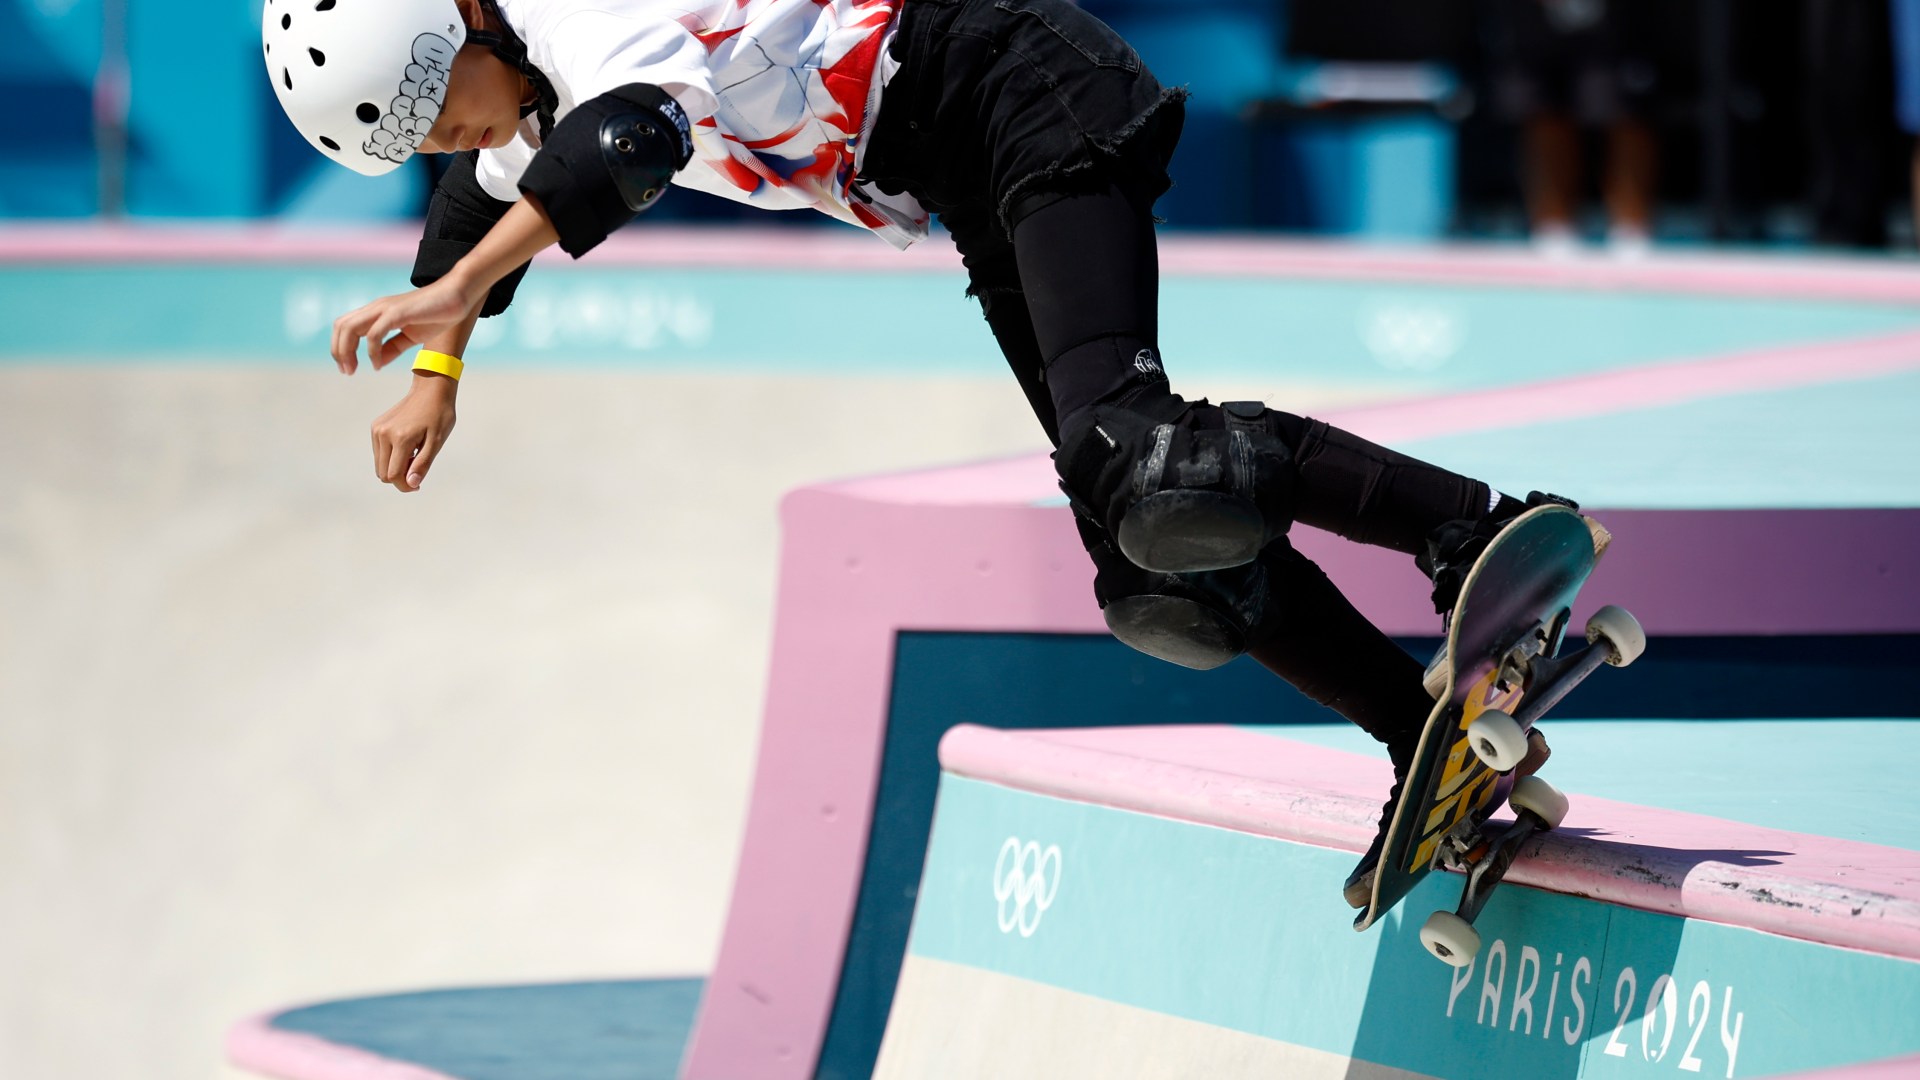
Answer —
1450 936
1613 637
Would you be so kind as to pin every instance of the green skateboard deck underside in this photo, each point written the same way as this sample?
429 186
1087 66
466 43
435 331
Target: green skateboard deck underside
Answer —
1526 579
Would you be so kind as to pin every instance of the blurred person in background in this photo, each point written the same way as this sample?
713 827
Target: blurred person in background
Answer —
1906 72
1850 92
1559 69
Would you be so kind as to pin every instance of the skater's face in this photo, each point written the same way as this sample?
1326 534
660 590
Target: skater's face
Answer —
484 95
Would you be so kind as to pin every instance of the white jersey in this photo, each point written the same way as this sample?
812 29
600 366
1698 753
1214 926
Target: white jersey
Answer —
782 94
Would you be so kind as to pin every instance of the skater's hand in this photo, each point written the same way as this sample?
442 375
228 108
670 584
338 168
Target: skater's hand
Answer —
393 324
407 436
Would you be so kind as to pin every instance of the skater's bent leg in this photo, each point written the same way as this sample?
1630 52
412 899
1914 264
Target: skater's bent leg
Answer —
1090 268
1317 641
1282 610
993 277
1179 487
1367 493
1006 314
1198 621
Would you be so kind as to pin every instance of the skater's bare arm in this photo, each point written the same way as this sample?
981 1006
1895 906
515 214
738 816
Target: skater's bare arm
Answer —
393 324
439 317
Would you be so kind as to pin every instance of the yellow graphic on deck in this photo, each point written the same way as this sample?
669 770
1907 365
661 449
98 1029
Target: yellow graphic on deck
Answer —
1466 784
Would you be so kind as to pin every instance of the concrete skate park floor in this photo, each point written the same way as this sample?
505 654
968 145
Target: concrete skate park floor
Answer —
271 732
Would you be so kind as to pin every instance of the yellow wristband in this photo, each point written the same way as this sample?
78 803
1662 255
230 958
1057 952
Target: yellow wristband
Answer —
439 363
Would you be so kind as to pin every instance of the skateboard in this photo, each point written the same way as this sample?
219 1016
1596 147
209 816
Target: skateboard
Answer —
1500 671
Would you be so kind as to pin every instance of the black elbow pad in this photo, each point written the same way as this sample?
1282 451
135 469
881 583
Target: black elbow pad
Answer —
606 161
460 214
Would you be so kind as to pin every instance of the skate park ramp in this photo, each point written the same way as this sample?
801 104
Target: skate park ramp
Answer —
238 780
1160 902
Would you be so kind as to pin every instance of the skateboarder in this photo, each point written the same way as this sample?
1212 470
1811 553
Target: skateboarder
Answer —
1039 139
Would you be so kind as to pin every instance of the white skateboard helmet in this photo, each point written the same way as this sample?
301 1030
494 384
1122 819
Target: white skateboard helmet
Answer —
362 80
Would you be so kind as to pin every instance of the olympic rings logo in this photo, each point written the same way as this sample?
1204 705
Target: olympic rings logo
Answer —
1025 880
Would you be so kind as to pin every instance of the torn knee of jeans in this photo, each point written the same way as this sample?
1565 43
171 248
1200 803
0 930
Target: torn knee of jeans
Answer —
986 291
1042 186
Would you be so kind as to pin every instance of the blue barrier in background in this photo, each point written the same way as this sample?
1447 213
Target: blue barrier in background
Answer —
49 53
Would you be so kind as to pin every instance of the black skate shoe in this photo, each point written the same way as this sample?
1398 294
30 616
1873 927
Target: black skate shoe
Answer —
1359 885
1182 488
1452 550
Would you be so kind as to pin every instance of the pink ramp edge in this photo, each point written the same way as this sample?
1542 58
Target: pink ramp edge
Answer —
256 1045
1836 892
1641 387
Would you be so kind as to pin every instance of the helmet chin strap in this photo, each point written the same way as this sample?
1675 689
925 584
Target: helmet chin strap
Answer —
512 51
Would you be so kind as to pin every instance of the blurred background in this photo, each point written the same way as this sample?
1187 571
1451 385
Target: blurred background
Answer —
1764 122
270 734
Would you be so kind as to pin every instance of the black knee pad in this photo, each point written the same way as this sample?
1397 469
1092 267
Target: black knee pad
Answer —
1181 489
1198 621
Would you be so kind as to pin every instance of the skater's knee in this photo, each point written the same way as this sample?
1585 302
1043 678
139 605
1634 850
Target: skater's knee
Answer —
1181 488
1198 621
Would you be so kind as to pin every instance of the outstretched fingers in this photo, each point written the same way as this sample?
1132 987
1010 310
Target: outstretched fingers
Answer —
348 329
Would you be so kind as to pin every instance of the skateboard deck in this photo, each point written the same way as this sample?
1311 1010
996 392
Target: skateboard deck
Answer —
1501 654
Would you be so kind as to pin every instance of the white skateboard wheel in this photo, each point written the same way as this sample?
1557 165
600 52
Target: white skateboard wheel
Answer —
1498 740
1451 939
1545 800
1625 639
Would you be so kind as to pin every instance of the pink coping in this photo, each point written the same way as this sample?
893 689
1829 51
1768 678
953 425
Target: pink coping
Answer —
968 549
1837 892
846 249
255 1044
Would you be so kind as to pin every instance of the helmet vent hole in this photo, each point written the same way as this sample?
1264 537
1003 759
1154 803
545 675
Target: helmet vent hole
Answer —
319 58
286 76
368 112
329 144
286 22
324 5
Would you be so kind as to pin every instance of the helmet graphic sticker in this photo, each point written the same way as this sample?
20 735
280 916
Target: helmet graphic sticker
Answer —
423 90
362 80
